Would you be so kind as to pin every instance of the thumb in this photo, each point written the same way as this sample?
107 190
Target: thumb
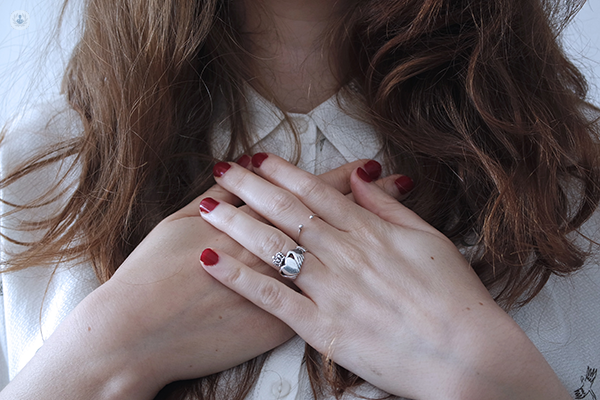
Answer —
339 178
375 199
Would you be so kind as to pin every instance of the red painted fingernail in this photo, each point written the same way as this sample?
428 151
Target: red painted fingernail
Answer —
244 160
258 159
362 174
208 204
209 257
404 184
220 168
373 168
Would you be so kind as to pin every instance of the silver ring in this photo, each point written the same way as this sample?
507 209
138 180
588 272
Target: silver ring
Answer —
290 264
301 226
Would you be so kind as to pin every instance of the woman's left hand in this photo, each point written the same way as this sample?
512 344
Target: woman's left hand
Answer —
384 294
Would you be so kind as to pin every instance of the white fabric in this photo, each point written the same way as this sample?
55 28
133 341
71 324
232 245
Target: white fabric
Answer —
563 320
33 304
328 136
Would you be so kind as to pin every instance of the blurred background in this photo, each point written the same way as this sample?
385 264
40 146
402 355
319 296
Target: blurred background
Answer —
32 56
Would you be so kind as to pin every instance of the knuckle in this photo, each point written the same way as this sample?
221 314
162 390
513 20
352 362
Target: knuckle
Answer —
306 188
234 277
229 219
282 202
235 181
273 243
270 295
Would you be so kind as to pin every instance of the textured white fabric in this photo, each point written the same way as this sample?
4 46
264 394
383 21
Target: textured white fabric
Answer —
33 304
329 137
563 320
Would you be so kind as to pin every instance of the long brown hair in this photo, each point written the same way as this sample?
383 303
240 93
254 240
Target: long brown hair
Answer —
474 99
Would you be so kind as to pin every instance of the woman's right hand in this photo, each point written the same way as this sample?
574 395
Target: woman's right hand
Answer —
161 317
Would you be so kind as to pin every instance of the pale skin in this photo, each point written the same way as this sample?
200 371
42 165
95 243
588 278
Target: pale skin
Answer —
161 318
284 37
420 324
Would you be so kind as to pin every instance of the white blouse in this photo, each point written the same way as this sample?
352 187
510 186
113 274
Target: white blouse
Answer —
563 321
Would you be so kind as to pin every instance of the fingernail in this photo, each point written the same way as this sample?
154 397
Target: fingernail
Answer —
208 204
404 184
244 160
209 257
220 168
373 169
362 174
258 159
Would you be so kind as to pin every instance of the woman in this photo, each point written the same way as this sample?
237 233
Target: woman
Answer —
473 100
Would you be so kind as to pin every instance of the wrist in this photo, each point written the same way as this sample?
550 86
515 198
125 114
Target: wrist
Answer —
110 348
496 360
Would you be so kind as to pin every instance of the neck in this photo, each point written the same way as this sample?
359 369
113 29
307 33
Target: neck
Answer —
289 56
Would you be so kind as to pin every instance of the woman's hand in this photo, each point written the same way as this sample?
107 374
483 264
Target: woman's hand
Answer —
161 317
383 293
196 323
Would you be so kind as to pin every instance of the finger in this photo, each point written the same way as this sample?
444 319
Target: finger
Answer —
277 205
264 242
339 178
312 191
376 200
397 186
245 161
215 192
267 293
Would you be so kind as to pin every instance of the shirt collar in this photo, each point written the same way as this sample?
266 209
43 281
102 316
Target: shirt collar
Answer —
335 117
352 137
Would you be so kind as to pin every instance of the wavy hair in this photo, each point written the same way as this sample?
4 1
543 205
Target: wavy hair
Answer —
474 99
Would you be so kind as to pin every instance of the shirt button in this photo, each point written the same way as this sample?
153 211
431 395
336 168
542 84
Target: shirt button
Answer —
281 389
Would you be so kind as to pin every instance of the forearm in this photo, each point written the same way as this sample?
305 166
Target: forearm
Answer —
51 377
82 360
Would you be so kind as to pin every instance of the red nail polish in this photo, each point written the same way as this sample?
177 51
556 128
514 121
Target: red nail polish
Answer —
404 184
362 174
244 160
220 168
209 257
258 159
208 204
373 168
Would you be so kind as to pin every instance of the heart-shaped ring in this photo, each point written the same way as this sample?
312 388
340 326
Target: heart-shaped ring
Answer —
290 264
